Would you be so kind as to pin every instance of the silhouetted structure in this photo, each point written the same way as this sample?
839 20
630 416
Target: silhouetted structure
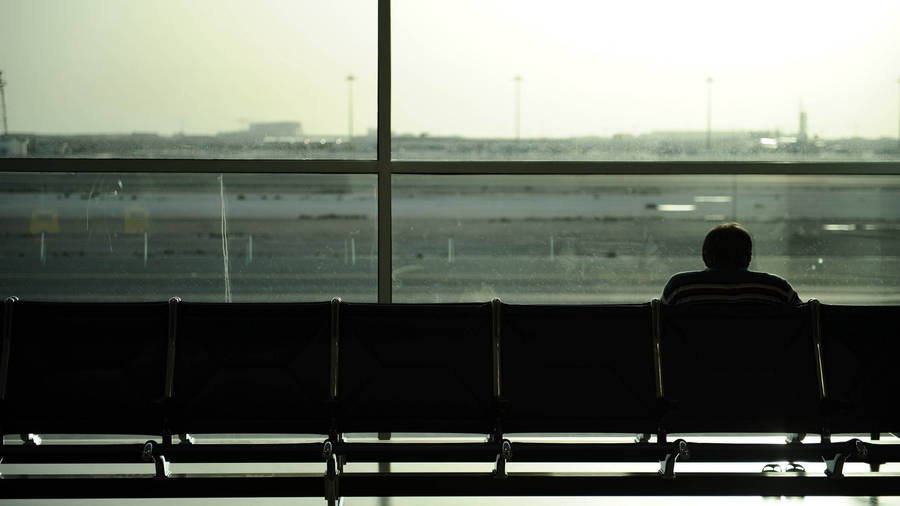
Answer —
3 103
709 82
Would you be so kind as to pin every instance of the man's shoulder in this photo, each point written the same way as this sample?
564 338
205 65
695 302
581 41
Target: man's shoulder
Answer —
727 285
688 277
684 278
727 276
765 277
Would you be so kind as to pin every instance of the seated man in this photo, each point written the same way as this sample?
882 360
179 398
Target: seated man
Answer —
726 253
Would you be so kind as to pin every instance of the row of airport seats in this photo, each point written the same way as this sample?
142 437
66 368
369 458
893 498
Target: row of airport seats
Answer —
494 369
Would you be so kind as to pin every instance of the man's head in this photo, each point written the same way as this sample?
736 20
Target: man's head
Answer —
727 246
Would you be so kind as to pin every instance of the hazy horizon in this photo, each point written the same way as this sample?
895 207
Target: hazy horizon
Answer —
203 67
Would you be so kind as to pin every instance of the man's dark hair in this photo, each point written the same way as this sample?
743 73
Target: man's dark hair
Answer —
727 246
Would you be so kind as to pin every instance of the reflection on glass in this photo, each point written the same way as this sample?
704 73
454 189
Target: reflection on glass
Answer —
207 237
190 79
617 239
645 80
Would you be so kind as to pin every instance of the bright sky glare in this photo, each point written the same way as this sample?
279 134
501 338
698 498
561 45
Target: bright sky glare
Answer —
588 68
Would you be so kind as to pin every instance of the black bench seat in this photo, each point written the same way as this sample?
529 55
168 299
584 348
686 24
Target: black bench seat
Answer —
487 374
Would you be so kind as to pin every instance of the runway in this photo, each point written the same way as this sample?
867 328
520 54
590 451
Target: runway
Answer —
555 239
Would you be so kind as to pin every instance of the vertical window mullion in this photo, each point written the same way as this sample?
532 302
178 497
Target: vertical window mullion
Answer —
384 151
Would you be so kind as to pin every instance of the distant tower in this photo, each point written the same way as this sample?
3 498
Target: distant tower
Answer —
350 80
3 103
709 82
518 81
801 131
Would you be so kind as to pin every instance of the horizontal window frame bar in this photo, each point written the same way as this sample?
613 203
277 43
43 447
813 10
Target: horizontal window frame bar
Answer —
263 166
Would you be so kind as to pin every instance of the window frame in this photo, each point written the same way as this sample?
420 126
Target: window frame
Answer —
383 166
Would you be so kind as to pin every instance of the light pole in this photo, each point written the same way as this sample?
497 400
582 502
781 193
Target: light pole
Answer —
3 103
898 119
709 82
350 80
518 81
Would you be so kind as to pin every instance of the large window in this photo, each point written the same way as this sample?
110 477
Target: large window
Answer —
190 79
206 237
645 80
596 239
538 238
478 149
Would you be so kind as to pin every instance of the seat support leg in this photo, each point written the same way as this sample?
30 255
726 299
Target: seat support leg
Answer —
332 493
667 465
30 439
834 467
875 466
503 455
161 465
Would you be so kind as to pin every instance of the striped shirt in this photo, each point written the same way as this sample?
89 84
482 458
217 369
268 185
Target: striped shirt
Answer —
728 285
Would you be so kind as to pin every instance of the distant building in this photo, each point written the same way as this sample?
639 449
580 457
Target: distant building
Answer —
801 131
276 129
10 146
269 132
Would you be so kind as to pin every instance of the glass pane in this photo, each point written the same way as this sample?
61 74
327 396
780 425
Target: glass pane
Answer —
645 80
190 78
618 239
206 237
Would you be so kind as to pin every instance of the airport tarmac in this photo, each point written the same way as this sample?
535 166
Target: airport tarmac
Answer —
566 239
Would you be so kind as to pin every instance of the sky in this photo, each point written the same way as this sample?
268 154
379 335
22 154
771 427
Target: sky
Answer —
587 67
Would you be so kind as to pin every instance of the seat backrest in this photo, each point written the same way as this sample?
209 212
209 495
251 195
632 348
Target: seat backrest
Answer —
252 368
577 368
860 346
86 368
741 368
415 368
